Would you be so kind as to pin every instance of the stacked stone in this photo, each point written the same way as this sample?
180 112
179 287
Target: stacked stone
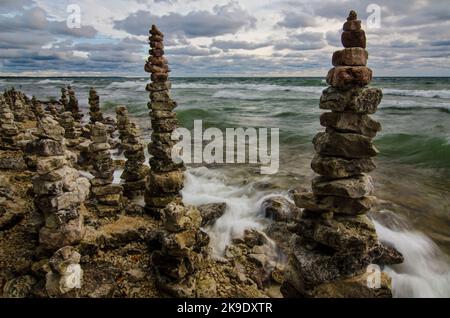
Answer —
334 227
17 101
37 108
71 127
183 244
59 188
166 177
63 100
123 122
135 172
8 127
73 105
94 107
107 194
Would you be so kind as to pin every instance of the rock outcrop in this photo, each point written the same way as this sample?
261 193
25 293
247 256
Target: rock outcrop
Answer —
335 241
166 177
107 195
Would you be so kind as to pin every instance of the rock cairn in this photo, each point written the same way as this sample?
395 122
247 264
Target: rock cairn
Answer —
107 194
183 244
17 102
59 188
37 108
335 237
135 172
73 105
71 127
9 129
63 100
166 177
94 107
123 122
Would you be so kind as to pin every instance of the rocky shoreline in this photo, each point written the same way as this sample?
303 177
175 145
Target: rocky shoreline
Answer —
67 230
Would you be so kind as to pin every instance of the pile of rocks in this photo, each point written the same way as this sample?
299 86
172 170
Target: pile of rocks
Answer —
94 107
60 193
37 108
166 177
8 127
63 100
17 102
335 237
72 129
107 194
135 172
73 105
123 122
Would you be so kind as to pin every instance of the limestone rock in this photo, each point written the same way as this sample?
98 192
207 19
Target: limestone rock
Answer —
350 122
280 209
345 77
335 167
354 56
352 146
358 100
211 212
353 187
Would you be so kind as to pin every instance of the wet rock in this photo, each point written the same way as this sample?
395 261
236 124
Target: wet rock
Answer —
280 209
211 212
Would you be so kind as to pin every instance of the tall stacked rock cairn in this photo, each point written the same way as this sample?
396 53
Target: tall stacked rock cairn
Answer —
135 172
8 127
94 107
72 105
17 102
71 127
335 239
60 193
37 108
183 244
63 100
108 196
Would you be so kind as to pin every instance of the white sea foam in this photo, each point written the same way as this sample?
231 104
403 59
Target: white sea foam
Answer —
414 104
425 271
54 81
443 93
249 86
136 85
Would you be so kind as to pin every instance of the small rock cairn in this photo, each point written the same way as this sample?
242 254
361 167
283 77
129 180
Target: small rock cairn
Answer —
94 107
73 105
71 127
8 127
107 194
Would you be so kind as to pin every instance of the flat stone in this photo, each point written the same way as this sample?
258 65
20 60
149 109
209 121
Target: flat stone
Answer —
165 182
337 205
160 96
160 201
354 56
354 39
96 147
167 106
360 100
45 165
347 77
335 167
350 122
45 147
165 125
106 189
351 146
155 87
353 187
67 234
110 199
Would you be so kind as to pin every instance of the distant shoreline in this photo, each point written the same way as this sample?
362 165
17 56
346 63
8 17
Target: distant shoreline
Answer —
183 77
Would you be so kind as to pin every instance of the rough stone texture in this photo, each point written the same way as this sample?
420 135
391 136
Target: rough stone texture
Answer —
357 100
354 56
354 39
351 146
350 122
345 77
335 167
354 187
211 212
280 209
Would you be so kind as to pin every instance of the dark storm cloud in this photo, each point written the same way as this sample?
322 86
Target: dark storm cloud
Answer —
224 19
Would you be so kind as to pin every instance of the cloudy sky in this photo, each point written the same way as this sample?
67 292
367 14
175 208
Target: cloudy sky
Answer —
219 37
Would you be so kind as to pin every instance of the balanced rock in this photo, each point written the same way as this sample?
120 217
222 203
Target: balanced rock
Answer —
344 77
347 145
357 100
336 167
351 122
354 56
